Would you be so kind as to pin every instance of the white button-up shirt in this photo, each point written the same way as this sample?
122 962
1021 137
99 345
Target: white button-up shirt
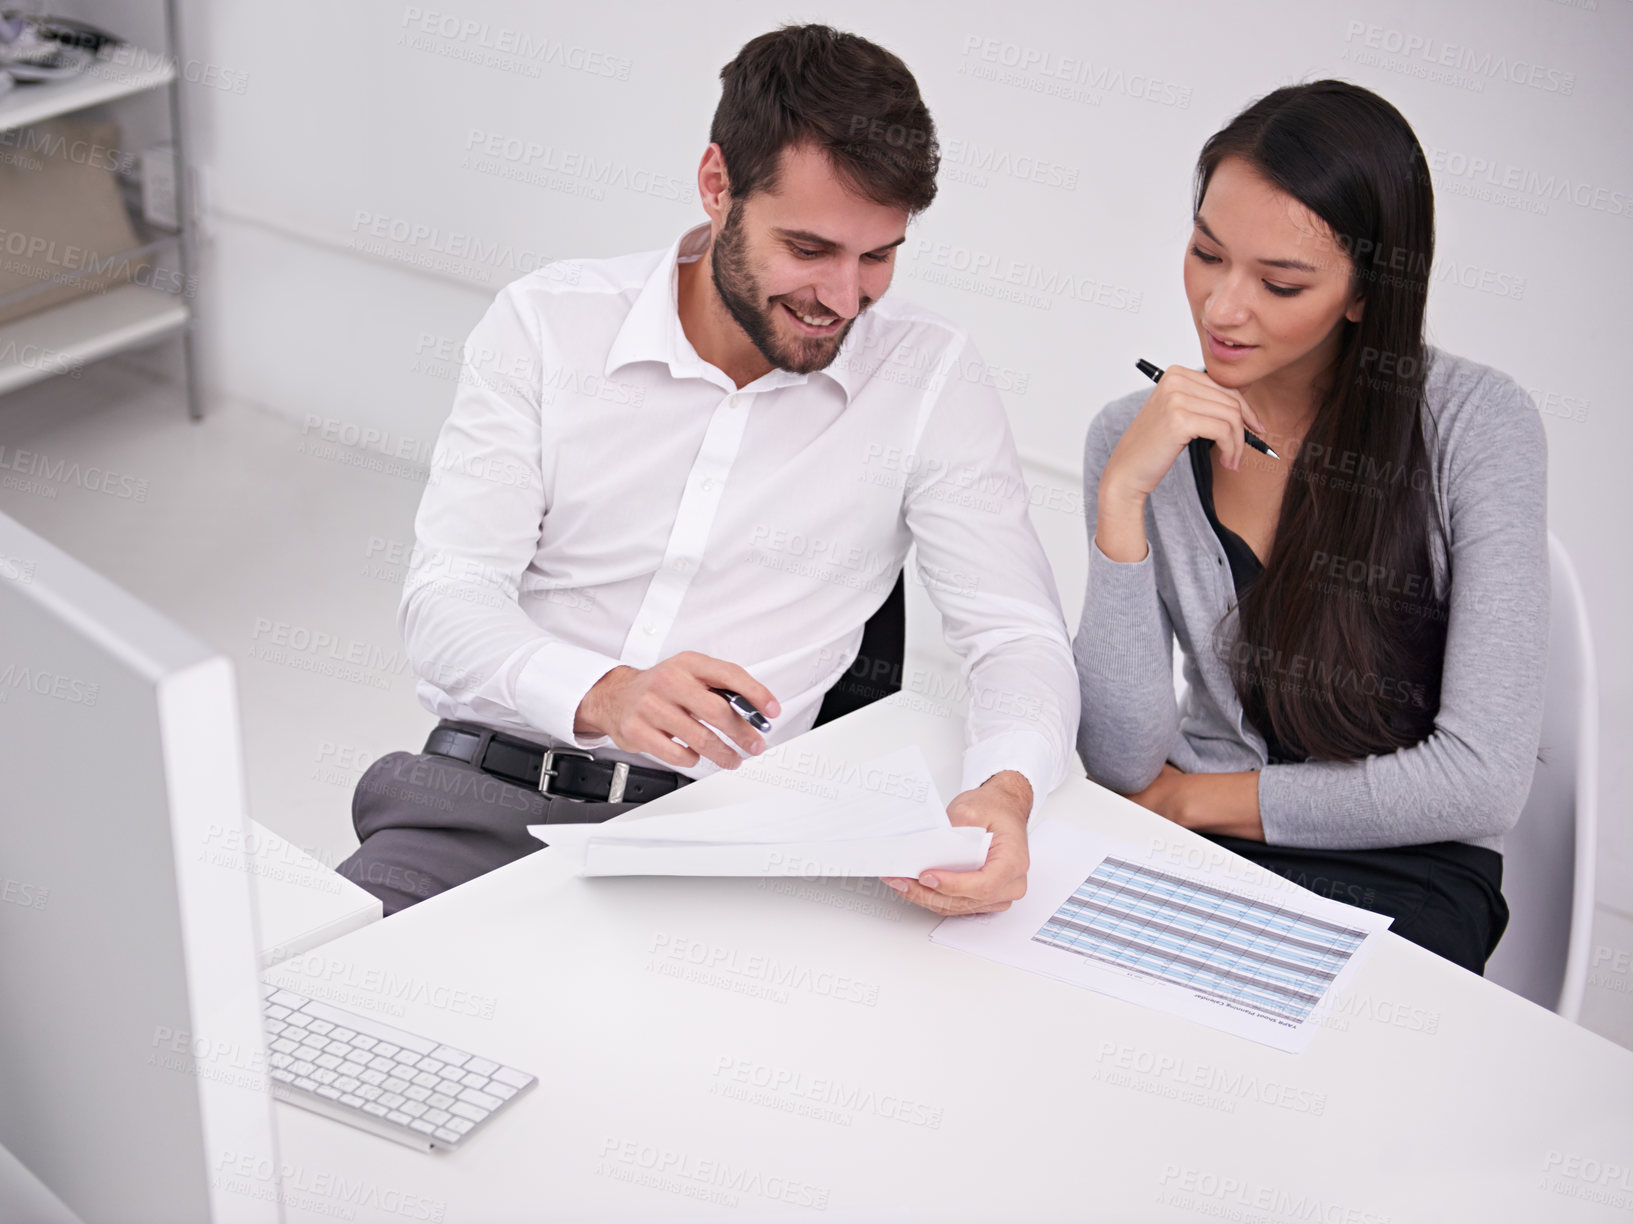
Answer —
601 495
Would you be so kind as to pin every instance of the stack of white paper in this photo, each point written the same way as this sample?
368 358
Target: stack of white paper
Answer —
863 833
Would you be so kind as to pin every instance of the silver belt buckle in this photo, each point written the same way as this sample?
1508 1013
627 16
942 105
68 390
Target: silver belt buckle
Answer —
547 767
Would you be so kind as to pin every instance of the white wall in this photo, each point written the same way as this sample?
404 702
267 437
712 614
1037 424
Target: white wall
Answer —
318 122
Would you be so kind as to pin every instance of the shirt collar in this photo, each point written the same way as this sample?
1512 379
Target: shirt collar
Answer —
652 331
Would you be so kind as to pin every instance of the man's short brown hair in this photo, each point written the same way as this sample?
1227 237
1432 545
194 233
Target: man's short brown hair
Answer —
849 97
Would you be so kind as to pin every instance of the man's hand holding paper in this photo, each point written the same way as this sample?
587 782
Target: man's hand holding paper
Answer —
1000 805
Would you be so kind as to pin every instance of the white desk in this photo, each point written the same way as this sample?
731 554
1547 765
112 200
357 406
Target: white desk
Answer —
299 902
905 1081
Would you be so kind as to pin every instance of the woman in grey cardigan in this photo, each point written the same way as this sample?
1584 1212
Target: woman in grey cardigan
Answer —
1363 618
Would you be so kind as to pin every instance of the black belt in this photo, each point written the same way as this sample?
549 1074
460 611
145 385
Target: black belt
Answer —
569 773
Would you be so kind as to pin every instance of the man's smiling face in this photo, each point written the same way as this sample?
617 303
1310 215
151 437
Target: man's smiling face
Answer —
796 264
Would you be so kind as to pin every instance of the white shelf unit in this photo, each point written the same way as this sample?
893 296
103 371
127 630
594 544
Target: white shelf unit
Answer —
61 339
129 71
64 338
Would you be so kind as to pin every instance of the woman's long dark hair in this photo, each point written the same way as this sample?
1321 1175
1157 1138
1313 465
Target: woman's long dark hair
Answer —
1339 643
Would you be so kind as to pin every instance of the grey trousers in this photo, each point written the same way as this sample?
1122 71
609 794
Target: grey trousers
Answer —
429 822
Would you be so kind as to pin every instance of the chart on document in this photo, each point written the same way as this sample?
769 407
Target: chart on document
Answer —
1215 942
1270 960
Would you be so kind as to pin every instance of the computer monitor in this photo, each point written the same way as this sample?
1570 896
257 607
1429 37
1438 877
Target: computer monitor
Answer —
132 1064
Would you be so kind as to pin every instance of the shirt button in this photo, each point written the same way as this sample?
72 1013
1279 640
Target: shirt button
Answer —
681 564
735 402
649 628
708 484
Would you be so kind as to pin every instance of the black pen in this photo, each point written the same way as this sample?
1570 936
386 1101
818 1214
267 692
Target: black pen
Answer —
741 705
1154 373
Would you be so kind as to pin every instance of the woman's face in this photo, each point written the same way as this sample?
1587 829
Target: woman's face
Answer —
1268 282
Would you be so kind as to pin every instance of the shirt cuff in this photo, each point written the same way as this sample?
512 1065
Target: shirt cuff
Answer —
1026 752
552 684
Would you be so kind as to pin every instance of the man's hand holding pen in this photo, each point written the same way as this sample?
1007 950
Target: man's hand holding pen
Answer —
649 710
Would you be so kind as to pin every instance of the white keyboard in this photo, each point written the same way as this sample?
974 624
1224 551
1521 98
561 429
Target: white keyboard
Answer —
396 1084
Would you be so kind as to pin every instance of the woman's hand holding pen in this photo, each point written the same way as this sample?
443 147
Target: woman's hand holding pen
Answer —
1186 404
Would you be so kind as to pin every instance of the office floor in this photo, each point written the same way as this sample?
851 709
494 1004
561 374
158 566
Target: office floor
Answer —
287 554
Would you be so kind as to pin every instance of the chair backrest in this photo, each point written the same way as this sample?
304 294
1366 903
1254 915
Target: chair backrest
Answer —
1548 858
877 669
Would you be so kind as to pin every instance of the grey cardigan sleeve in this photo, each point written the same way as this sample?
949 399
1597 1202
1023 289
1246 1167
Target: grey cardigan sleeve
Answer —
1469 779
1124 645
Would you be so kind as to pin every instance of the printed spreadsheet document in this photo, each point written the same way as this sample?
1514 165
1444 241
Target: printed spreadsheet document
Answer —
1213 942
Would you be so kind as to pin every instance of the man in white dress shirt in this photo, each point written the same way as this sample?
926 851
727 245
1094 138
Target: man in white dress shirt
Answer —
703 468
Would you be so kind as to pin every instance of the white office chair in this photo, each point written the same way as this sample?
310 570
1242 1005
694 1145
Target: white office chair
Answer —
1548 859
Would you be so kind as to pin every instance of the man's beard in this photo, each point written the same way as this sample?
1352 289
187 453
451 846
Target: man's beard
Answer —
738 289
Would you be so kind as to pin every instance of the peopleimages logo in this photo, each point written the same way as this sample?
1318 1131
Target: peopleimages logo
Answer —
1521 187
1437 53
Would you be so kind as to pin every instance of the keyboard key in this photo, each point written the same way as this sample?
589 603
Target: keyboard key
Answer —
275 1026
276 1013
280 1060
369 1092
385 1049
393 1084
364 1042
324 1076
513 1077
481 1066
327 1060
440 1100
379 1111
284 998
480 1099
461 1125
268 991
347 1084
316 1041
436 1117
285 1046
416 1093
426 1080
418 1125
302 1082
343 1034
465 1110
325 1090
283 1076
356 1102
446 1135
320 1026
371 1076
382 1032
407 1058
401 1119
451 1087
383 1064
390 1100
431 1065
503 1091
307 1052
299 1018
350 1068
473 1080
302 1067
451 1056
414 1108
